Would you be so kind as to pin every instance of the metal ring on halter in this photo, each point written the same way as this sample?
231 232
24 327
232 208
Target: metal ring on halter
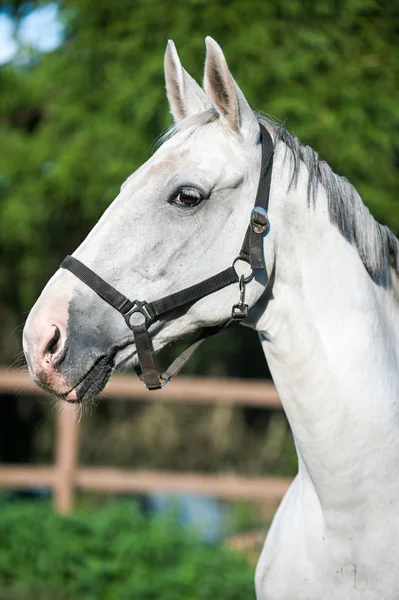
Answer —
163 380
246 279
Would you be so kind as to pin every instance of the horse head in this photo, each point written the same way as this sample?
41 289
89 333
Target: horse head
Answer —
178 220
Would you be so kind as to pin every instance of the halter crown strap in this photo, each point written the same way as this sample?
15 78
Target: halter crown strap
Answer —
252 247
139 316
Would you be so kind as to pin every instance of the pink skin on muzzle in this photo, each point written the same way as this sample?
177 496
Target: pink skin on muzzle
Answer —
44 336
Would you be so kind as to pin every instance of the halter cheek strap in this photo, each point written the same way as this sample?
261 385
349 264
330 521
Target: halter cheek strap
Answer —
140 315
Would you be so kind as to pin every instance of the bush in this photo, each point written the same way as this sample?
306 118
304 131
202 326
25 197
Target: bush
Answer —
115 553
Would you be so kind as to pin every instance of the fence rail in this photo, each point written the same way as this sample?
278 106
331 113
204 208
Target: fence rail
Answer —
65 477
244 392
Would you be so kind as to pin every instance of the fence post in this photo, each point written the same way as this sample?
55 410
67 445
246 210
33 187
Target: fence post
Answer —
66 452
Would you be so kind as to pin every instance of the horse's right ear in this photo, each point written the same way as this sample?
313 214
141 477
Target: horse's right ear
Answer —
226 96
185 96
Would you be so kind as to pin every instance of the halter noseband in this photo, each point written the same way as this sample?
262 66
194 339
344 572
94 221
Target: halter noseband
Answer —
140 315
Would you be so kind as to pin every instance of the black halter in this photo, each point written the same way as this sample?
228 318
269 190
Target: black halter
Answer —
140 315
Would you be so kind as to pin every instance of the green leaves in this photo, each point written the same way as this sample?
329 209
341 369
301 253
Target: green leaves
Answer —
115 553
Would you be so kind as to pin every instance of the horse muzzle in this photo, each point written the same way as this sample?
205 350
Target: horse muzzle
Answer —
65 357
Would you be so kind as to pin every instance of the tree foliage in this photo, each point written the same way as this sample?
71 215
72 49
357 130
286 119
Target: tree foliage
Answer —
76 122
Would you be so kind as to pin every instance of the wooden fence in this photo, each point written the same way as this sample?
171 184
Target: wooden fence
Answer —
65 476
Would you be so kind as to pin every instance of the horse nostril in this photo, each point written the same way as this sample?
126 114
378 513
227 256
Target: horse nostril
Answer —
51 347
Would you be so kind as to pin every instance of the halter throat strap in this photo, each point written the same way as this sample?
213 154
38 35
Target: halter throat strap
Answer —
140 315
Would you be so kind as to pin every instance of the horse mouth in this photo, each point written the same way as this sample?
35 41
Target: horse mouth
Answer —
93 382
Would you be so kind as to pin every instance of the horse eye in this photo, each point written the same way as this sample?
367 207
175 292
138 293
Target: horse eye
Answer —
187 197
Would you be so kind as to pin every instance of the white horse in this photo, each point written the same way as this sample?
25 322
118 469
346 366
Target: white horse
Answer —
326 309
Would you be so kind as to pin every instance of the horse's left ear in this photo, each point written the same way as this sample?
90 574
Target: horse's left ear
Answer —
225 94
186 97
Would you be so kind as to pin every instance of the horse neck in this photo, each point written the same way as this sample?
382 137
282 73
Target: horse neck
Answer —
330 335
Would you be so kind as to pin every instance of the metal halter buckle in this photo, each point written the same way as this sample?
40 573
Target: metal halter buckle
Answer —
163 380
139 314
240 310
259 220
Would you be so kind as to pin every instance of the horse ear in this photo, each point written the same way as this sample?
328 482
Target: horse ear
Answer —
224 93
185 96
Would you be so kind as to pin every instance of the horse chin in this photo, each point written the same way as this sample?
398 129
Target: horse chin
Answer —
93 382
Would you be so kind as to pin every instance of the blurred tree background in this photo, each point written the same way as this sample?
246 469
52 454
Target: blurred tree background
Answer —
75 122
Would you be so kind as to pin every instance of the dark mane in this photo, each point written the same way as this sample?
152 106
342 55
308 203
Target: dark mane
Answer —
378 247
